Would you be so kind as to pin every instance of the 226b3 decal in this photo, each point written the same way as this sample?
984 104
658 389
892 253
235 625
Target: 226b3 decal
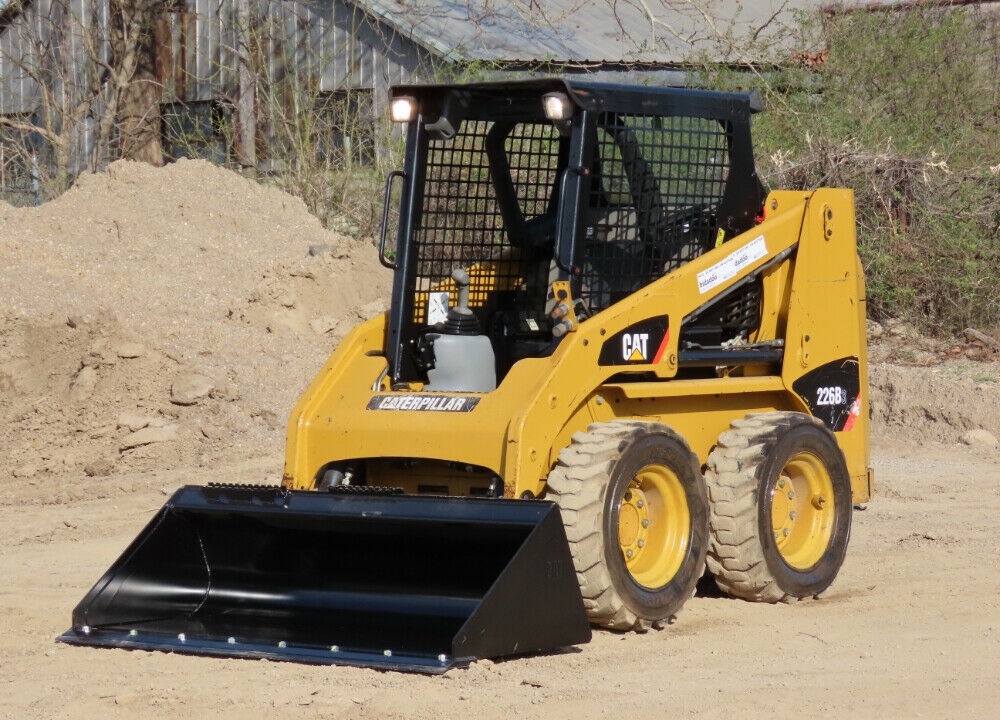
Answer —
833 393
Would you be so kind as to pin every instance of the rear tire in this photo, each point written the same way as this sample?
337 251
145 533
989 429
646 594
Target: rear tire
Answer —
635 510
781 507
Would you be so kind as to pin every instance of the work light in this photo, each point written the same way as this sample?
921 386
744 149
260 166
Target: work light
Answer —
557 106
404 109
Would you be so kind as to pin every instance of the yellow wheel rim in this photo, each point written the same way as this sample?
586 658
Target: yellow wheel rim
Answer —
654 526
802 510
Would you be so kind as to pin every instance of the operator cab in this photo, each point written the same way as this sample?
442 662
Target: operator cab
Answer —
529 206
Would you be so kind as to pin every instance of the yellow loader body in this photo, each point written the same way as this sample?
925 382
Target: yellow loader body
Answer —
814 298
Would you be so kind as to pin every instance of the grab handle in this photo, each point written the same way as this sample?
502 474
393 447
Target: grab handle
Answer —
391 264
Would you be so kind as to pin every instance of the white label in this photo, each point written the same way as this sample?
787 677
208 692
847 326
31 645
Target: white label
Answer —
423 403
730 266
635 347
831 396
437 308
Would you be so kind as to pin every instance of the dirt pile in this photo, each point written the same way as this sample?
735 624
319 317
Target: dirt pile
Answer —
166 317
927 389
170 317
943 403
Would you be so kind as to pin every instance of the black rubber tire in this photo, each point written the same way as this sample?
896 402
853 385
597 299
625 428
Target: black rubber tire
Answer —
742 475
589 483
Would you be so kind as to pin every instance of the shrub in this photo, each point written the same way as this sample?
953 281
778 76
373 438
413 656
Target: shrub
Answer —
904 110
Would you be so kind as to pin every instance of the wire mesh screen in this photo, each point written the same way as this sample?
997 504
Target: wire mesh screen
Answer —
462 224
532 155
657 184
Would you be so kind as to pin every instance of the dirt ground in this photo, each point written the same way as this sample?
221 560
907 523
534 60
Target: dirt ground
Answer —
156 327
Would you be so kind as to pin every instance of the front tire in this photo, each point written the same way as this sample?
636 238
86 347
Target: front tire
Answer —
781 507
635 509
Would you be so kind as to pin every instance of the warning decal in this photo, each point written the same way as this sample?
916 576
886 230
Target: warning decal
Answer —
729 267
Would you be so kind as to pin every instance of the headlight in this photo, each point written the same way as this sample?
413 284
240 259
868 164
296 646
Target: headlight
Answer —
404 109
557 106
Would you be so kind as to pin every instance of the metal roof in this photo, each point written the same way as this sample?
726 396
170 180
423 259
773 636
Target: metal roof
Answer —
586 31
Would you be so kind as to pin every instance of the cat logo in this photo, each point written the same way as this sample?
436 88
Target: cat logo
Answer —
641 343
634 347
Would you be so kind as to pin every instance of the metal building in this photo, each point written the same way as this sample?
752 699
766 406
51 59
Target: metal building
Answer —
226 67
215 59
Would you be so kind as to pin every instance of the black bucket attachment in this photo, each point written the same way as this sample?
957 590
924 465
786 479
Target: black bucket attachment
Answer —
400 582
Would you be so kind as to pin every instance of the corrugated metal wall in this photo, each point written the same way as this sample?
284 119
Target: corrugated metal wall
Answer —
48 43
45 40
199 47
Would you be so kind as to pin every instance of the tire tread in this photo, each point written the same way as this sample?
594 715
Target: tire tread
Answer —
735 555
577 484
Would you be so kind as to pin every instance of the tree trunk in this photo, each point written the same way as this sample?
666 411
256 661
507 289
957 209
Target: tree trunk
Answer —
138 111
139 114
247 107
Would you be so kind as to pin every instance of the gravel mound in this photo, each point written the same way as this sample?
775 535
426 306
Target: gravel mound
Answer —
156 317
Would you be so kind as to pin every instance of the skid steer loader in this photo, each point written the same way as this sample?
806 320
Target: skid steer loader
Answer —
610 358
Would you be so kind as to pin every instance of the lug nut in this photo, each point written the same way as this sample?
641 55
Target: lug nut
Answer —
628 553
641 543
645 522
781 483
793 514
786 532
641 503
791 494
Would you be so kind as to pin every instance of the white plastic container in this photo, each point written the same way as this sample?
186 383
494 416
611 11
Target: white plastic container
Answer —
462 363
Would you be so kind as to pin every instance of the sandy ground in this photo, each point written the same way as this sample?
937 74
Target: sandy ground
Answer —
139 351
910 629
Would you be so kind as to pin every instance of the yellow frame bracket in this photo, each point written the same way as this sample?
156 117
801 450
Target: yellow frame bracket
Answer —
563 314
